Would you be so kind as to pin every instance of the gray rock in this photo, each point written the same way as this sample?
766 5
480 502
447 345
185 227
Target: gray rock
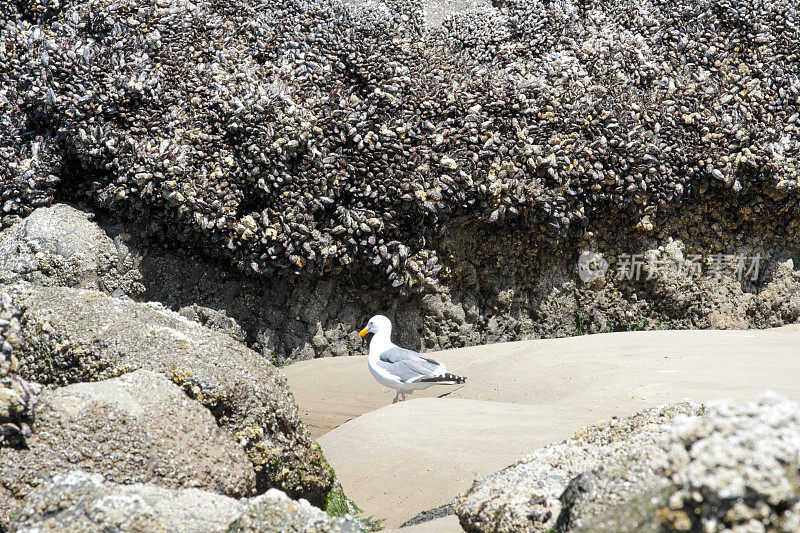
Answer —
276 512
9 335
72 335
525 496
737 468
725 468
211 318
61 245
593 493
83 503
527 296
138 428
281 316
430 514
483 195
635 516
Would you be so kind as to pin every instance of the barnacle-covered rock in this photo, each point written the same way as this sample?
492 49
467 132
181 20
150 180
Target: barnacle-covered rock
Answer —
138 428
74 335
309 137
736 468
61 245
530 495
685 467
17 396
86 503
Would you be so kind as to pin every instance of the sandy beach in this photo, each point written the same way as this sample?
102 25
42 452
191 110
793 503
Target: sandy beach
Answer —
399 460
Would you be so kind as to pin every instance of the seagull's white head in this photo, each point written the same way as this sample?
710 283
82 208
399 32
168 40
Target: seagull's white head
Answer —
379 325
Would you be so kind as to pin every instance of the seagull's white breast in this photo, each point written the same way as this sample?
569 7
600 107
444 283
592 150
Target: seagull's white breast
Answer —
377 346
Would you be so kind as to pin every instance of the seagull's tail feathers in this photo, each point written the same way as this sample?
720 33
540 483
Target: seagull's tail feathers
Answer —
444 379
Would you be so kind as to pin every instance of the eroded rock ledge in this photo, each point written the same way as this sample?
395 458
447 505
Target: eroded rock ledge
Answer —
511 287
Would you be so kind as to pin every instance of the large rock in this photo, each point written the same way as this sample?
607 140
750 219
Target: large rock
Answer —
61 245
84 503
338 136
138 428
71 335
724 468
17 396
737 468
525 496
512 296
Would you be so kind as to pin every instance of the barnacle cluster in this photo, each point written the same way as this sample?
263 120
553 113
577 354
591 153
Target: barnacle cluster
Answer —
306 136
17 396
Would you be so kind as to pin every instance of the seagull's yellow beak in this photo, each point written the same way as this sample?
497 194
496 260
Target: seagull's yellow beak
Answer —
363 332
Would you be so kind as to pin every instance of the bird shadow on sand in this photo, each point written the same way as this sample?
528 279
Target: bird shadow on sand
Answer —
449 393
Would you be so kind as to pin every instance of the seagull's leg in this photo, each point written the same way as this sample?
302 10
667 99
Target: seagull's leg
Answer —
396 396
403 393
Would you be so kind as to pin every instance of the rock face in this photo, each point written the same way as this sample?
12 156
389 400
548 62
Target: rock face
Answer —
61 245
732 468
499 293
138 428
84 503
17 396
211 318
526 496
536 294
72 335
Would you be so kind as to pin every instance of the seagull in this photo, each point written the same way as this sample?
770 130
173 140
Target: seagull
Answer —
398 368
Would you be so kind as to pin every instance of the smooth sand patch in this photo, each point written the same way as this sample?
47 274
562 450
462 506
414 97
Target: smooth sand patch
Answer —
400 460
642 369
406 458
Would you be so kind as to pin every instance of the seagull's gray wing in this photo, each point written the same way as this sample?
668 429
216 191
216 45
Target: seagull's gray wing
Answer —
407 365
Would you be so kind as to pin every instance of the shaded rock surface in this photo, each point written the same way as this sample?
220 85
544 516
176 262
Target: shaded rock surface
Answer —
82 502
61 245
18 397
138 428
526 496
429 515
73 335
211 318
505 290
